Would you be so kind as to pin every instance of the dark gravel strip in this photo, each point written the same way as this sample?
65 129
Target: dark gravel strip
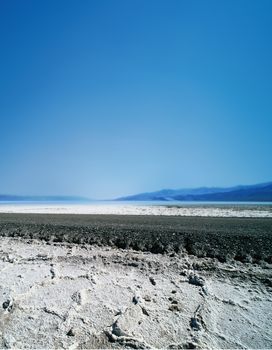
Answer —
244 239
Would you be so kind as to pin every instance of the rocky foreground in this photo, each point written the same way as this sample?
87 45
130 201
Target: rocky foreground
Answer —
81 296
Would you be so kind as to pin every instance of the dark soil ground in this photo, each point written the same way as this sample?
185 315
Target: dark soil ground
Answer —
242 239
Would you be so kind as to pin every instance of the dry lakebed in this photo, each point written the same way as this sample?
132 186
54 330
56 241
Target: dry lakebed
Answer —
109 281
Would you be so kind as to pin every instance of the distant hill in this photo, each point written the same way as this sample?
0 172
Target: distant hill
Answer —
13 198
256 193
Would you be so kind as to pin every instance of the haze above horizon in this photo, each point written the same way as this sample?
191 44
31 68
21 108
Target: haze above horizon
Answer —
101 99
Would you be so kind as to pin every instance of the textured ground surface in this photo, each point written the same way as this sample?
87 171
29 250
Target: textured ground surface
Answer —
65 295
127 208
243 239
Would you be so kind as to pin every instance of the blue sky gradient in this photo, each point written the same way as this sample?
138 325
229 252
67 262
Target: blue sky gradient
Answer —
107 98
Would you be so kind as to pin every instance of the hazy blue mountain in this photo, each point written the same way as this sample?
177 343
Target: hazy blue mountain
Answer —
258 192
13 198
255 194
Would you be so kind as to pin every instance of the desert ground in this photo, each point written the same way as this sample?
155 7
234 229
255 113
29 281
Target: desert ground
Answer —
98 281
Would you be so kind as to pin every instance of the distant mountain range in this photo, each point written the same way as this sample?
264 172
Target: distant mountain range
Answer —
252 193
13 198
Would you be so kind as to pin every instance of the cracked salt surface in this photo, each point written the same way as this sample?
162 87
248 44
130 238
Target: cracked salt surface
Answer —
207 210
69 296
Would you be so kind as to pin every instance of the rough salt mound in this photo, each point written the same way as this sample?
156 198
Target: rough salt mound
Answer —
246 240
67 296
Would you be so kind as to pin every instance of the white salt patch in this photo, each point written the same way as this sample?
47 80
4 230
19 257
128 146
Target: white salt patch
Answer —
127 209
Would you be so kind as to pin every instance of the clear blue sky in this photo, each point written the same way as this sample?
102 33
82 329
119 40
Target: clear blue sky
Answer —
106 98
